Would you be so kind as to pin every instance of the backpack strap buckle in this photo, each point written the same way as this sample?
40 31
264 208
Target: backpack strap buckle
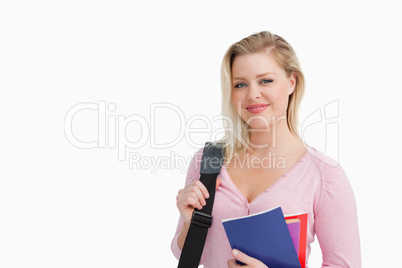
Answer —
201 219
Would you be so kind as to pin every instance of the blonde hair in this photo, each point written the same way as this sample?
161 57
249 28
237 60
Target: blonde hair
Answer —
236 139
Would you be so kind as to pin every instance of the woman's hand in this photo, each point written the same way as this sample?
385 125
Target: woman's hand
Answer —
247 260
192 196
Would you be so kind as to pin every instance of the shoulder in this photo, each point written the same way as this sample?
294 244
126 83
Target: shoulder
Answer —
193 172
328 167
335 187
197 157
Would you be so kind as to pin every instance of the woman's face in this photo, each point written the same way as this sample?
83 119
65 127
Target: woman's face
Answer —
257 79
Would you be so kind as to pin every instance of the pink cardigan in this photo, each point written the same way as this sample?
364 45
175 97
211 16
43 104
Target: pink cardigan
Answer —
315 184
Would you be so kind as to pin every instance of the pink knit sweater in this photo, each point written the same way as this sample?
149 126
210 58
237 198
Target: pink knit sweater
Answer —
315 184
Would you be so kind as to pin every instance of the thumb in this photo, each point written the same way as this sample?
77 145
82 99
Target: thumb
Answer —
218 183
240 256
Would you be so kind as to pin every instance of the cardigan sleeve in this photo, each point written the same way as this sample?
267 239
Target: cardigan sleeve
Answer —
335 220
193 174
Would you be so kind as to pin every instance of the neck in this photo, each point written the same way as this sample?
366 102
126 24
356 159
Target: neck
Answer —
278 138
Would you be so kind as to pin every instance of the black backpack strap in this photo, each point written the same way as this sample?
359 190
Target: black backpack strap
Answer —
211 164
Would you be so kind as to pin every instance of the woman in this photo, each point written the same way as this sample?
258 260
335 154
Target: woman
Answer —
266 162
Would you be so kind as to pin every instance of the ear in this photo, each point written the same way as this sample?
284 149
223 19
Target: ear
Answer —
292 82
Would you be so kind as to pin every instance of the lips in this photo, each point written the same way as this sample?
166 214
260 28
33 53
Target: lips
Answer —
257 108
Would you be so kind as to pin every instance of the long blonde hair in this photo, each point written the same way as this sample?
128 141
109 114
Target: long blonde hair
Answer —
236 139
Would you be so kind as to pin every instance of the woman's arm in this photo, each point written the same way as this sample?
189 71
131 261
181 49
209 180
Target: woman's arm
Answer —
182 236
335 220
193 174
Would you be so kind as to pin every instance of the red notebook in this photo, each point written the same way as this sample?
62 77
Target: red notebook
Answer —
302 217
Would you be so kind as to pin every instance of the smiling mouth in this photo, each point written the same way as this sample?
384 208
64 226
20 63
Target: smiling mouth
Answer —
257 109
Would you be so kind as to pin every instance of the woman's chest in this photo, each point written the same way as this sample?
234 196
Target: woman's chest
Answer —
252 183
231 203
293 191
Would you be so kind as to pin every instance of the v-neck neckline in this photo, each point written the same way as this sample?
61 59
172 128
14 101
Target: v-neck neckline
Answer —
271 187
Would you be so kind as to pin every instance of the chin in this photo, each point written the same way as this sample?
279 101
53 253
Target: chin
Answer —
259 124
259 127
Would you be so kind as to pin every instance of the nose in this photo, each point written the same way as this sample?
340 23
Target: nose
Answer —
253 92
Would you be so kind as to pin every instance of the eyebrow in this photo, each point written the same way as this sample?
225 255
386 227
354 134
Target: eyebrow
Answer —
241 78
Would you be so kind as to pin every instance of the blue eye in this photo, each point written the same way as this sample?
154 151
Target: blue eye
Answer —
240 85
266 81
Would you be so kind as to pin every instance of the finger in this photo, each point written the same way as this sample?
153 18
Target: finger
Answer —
203 189
218 183
240 256
195 193
197 199
200 195
190 201
232 263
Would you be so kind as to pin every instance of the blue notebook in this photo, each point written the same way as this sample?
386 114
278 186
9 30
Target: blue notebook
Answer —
264 236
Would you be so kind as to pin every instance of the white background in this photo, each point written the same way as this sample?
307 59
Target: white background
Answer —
64 206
